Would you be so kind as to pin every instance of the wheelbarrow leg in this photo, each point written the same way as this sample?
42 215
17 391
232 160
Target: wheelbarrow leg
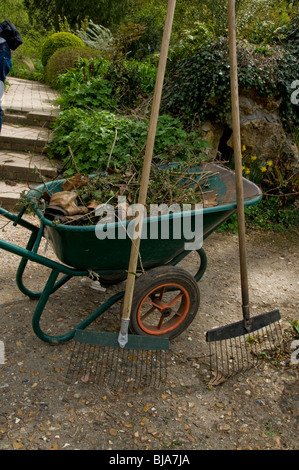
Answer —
203 262
50 287
44 297
22 267
33 245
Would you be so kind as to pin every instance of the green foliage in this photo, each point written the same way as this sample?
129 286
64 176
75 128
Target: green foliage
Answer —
279 181
102 84
27 69
268 215
288 35
151 15
26 61
63 60
199 84
259 21
190 40
15 11
271 215
109 13
210 14
85 87
96 93
295 325
130 81
101 136
97 37
57 41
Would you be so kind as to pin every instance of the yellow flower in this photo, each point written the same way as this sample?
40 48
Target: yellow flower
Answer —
243 148
247 171
243 168
263 169
269 162
253 158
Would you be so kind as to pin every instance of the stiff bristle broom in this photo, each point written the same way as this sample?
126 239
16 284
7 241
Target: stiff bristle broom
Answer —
240 346
123 359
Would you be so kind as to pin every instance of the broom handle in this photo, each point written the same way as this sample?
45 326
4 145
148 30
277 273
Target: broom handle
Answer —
127 304
238 160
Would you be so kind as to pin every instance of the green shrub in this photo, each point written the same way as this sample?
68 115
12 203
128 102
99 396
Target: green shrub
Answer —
97 37
57 41
84 86
65 59
98 83
131 81
27 69
94 94
267 215
199 85
259 21
26 61
91 136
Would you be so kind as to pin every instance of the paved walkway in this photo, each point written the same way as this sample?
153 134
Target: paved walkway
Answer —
29 96
28 108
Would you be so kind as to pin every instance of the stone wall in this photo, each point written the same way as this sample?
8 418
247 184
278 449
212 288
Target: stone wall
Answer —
262 131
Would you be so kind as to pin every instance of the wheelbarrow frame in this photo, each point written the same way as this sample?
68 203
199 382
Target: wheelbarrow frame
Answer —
30 253
52 285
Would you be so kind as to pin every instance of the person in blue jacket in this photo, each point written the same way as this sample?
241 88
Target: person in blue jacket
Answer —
5 66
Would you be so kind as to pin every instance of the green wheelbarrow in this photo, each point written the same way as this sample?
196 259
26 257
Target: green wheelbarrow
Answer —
166 297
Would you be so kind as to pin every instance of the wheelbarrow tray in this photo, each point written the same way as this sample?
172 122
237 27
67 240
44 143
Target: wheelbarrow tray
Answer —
81 248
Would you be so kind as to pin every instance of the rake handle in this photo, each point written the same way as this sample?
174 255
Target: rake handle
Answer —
127 303
238 159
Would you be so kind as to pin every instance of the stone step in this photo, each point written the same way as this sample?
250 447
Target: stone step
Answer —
28 118
10 195
23 138
28 167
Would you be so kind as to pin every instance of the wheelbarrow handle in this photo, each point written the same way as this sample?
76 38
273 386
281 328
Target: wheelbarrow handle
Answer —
36 258
17 219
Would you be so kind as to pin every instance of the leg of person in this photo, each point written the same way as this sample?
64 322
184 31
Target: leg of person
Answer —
5 66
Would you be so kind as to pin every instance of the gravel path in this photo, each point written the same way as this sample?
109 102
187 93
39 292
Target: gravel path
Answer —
257 410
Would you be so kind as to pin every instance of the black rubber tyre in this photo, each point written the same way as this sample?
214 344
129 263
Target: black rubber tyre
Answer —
165 302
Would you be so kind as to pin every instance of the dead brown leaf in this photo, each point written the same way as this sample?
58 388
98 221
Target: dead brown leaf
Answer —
75 181
210 201
218 378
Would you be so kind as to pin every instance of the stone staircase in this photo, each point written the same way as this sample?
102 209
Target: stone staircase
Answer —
23 153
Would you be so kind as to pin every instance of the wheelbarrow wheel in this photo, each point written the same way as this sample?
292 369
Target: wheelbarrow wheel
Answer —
165 302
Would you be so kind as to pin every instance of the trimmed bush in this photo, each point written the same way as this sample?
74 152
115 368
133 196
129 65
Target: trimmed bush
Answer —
65 59
57 41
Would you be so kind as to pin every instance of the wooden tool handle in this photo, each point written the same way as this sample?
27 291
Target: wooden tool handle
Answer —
127 304
237 156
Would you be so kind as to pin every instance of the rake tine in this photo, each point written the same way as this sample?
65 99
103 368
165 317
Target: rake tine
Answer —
245 360
98 370
113 369
95 358
80 362
157 372
235 355
278 331
244 352
141 362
